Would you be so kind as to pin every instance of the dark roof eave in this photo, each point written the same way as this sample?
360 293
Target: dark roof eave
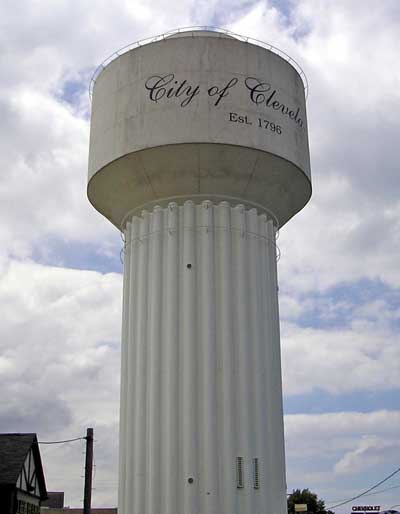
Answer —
39 470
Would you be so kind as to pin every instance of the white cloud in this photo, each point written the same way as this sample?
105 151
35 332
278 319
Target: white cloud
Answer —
44 143
338 455
359 352
43 155
349 54
59 370
371 451
317 429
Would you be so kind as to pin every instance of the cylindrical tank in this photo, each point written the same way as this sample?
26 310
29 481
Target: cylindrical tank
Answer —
199 153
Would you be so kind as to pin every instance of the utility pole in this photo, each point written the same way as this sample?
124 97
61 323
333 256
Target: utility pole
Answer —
87 495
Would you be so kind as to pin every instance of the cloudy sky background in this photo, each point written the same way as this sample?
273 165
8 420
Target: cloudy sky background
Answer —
60 269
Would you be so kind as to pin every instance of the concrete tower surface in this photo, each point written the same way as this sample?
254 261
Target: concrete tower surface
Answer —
199 153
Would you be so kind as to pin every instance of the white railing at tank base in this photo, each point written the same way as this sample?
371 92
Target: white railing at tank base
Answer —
193 30
268 240
137 211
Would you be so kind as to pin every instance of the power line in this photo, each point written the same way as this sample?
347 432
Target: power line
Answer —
383 490
59 442
370 494
365 492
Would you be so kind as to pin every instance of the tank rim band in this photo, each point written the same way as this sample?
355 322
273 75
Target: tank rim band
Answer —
193 30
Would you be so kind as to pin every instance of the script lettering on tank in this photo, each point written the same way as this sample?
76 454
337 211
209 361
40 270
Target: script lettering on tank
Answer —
220 93
166 86
261 93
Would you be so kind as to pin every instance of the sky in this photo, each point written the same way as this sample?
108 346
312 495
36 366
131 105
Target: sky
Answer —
339 271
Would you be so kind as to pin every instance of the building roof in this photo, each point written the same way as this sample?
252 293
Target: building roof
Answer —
55 500
13 451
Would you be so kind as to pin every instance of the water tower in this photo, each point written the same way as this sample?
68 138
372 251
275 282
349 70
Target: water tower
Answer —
198 154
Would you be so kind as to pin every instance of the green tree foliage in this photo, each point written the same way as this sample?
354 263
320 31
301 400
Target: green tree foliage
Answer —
314 505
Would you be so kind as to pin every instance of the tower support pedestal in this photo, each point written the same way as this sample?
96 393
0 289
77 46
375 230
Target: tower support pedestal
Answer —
201 428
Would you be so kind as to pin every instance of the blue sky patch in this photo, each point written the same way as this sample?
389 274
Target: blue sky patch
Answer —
337 307
80 255
72 90
284 7
224 13
319 402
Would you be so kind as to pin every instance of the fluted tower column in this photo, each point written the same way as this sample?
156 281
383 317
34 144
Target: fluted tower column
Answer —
201 363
